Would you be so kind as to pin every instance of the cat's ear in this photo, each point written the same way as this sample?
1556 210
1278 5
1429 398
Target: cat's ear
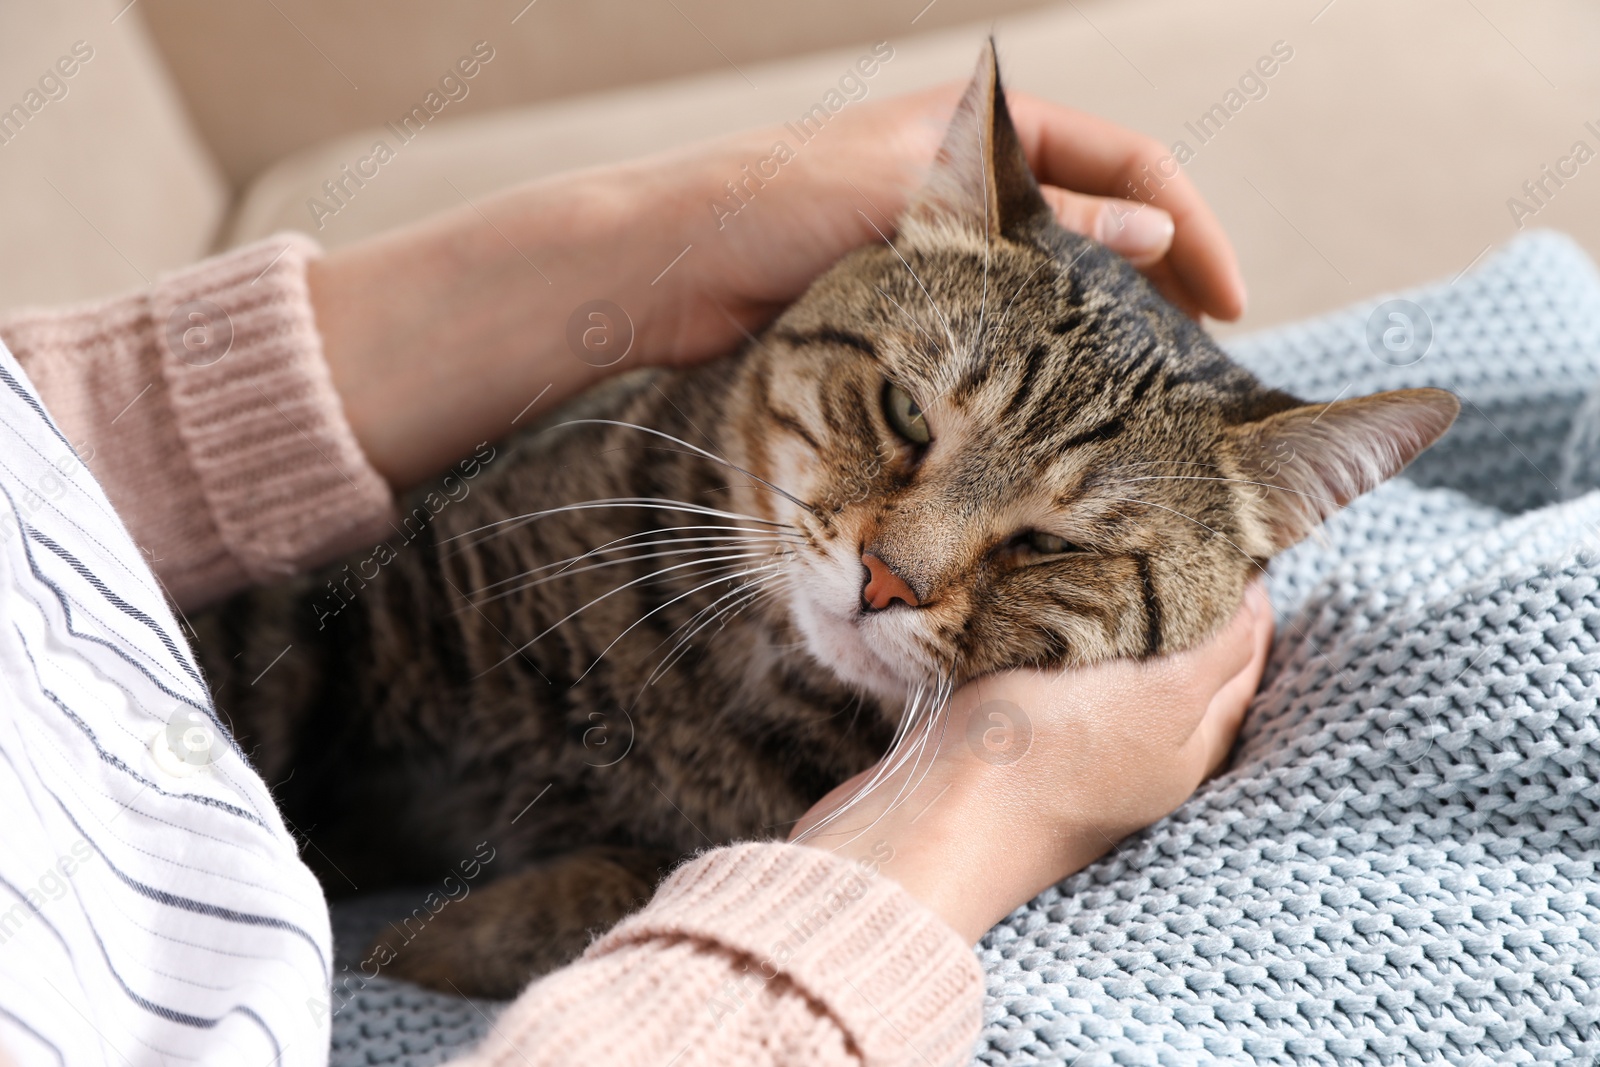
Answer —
1312 460
980 178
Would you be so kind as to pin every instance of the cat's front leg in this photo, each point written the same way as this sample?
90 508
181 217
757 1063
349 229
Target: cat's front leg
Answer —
495 940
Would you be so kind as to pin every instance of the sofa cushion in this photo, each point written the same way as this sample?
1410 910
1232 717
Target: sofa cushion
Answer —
105 183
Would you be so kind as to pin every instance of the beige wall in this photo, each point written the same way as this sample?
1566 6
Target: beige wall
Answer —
266 78
105 185
1382 154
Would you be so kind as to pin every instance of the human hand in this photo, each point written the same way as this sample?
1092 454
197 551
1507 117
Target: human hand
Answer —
847 186
449 331
1039 774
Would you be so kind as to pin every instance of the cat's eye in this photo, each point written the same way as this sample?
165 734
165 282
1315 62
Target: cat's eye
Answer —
1047 544
905 417
1036 546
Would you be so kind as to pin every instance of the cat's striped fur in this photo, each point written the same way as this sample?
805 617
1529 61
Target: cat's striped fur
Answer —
704 668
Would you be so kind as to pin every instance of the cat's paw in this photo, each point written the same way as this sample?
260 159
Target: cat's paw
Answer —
492 942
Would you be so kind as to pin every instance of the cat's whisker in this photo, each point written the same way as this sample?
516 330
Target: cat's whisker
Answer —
880 771
664 666
745 597
1006 312
562 567
765 486
566 566
920 718
939 709
722 572
707 610
854 707
697 450
678 651
915 750
628 542
645 502
659 607
1141 463
731 561
949 335
773 587
535 583
909 317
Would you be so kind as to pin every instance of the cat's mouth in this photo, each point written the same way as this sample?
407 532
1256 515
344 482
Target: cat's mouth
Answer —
849 648
877 651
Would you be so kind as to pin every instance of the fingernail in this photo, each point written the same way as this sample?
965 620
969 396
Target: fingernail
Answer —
1139 232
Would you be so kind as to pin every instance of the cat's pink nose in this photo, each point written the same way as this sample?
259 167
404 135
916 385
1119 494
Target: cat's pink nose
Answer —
883 586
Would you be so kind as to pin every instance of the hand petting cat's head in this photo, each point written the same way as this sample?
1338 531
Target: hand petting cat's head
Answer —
1016 452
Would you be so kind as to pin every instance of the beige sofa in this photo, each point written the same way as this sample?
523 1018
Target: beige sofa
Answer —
1391 145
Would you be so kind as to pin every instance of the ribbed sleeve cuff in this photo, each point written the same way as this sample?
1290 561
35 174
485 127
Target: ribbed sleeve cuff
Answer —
203 406
284 482
898 980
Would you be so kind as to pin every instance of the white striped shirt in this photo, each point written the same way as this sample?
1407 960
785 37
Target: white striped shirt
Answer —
153 907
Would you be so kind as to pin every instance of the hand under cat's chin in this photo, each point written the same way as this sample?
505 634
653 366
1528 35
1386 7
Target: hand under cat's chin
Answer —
1038 773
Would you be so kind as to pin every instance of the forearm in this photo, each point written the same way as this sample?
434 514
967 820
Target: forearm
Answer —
440 334
759 955
969 859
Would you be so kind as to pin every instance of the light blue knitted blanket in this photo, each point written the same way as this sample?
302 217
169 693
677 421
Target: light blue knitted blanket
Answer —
1400 867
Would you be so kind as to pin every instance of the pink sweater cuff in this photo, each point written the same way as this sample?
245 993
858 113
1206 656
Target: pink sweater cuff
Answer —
899 982
204 407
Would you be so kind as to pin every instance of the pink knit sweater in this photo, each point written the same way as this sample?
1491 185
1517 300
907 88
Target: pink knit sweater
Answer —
204 407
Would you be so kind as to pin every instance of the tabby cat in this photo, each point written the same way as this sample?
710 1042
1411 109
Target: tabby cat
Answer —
707 596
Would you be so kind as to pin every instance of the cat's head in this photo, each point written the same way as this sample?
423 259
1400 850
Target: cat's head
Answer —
1016 452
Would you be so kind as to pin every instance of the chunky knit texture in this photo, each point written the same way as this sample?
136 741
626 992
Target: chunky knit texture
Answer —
204 407
1400 866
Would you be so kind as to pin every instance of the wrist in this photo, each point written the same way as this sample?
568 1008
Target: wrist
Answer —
970 850
439 335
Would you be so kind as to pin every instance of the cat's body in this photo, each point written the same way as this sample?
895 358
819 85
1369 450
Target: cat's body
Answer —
407 723
990 445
